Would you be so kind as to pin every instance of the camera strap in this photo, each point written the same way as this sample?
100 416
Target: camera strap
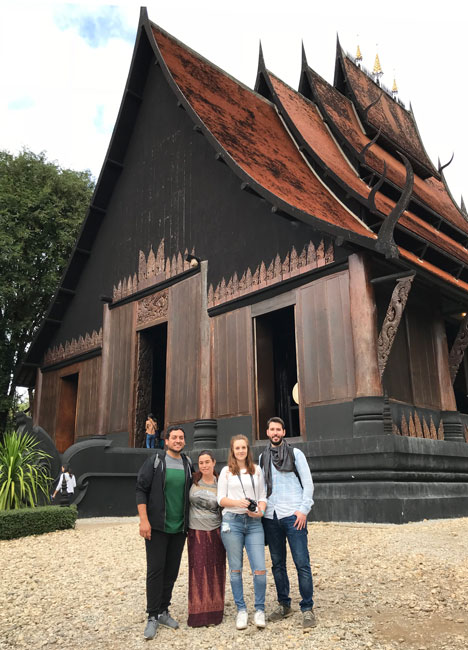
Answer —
242 485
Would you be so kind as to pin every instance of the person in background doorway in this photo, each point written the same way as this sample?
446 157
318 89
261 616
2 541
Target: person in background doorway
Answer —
151 428
241 493
290 493
66 479
206 552
162 496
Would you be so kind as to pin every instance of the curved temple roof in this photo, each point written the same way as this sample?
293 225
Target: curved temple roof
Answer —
307 119
395 121
431 191
249 130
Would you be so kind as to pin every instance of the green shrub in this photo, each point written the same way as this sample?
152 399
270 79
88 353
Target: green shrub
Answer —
35 521
24 472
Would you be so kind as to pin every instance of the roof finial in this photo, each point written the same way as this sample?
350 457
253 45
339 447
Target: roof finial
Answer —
377 71
358 57
394 89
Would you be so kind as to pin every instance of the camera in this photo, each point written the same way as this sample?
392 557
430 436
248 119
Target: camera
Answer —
252 507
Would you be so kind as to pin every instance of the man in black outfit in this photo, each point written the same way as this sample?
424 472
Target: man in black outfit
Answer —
162 496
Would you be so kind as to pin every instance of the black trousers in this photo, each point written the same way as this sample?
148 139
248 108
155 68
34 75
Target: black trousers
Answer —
163 555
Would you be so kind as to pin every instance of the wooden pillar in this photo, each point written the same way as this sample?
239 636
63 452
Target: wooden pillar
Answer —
368 408
364 328
206 411
104 388
453 426
447 396
205 429
37 397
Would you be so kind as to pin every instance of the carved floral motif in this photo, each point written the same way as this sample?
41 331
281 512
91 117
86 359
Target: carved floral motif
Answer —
74 347
458 349
392 320
272 272
152 308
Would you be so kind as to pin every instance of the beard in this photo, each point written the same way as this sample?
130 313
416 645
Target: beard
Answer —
276 443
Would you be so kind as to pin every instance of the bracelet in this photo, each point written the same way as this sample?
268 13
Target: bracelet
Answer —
262 511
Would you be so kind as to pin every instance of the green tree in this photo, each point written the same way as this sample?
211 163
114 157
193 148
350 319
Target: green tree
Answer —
24 472
41 209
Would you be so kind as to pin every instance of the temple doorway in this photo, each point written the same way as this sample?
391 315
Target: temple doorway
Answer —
151 379
276 369
66 416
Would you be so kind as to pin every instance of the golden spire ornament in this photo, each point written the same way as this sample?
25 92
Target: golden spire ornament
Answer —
358 57
377 71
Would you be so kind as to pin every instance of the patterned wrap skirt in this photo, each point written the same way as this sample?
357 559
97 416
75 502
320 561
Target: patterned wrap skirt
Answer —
207 577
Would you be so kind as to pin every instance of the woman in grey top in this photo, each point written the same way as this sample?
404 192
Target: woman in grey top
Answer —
206 553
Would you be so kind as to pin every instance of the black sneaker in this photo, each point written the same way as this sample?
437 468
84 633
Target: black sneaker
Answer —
151 627
166 619
282 611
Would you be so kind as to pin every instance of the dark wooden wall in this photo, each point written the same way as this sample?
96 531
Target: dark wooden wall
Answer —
411 374
183 352
118 392
325 346
232 363
89 373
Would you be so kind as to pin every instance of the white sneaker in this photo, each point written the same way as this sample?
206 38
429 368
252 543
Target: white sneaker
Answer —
259 618
242 618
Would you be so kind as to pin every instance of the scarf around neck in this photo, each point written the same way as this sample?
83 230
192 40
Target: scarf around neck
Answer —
282 457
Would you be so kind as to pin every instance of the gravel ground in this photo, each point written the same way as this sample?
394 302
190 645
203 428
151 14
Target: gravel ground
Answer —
377 586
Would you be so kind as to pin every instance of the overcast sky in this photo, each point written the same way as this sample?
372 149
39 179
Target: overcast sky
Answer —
64 66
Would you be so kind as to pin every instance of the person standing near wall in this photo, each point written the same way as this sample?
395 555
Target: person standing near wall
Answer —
241 493
206 552
290 491
151 429
66 480
162 496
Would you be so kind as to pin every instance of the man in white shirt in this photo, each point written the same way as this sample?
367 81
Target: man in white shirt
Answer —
289 499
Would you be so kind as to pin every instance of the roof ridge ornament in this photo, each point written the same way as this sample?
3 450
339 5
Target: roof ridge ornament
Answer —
377 71
385 242
442 167
362 153
463 206
358 57
304 57
372 104
394 89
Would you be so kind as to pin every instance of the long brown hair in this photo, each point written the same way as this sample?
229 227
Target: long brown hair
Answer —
197 475
232 460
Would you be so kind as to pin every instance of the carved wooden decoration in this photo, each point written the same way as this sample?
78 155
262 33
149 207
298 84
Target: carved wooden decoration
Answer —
458 349
440 431
152 309
144 372
392 320
273 272
74 347
151 270
418 427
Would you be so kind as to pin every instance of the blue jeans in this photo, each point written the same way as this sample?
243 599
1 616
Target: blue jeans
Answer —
277 531
150 441
238 531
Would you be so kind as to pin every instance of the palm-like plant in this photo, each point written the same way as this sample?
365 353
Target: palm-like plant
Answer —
24 472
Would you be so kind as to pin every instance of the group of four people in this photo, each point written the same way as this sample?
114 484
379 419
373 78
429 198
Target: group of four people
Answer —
240 508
